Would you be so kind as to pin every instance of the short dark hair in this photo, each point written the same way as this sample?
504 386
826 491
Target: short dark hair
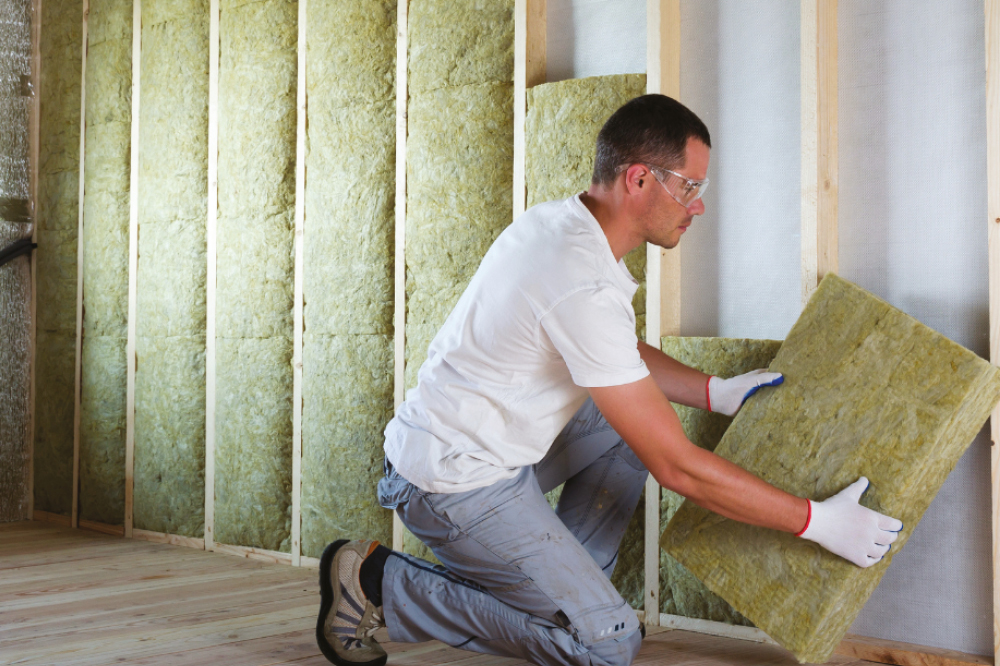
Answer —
649 129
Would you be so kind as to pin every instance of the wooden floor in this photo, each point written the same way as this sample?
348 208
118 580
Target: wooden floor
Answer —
77 597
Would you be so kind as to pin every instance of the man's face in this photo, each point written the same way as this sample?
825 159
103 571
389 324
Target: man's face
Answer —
666 220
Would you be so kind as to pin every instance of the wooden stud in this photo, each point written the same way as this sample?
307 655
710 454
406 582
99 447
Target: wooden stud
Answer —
34 141
213 212
993 223
819 141
299 323
103 528
663 269
259 554
133 263
904 654
399 302
529 71
78 361
55 518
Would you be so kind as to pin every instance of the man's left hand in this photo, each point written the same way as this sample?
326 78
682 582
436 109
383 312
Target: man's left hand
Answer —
726 396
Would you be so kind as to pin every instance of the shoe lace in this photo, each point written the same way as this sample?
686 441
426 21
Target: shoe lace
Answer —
377 623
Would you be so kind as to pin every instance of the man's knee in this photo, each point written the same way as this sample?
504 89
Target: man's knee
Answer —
613 637
620 651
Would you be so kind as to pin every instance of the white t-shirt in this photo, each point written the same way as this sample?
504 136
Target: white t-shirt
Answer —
548 313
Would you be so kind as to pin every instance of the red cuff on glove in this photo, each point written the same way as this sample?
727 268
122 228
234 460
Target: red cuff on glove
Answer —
809 515
708 394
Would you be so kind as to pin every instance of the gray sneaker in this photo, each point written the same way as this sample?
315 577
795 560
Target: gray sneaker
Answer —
347 620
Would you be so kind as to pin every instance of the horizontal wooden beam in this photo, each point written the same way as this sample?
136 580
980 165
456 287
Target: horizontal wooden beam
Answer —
54 518
260 554
904 654
172 539
103 528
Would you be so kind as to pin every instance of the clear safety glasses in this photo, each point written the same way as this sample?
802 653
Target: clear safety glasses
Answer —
684 190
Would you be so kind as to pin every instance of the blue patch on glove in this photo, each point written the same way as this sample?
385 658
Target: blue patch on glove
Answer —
773 382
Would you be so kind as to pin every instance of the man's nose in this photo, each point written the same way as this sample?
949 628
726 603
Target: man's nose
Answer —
697 207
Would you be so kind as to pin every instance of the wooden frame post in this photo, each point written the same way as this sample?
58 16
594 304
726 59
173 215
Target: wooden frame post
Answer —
34 143
298 321
133 263
819 141
663 268
530 20
399 267
78 361
993 223
210 276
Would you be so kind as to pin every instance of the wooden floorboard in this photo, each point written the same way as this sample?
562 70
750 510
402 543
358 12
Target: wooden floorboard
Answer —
83 598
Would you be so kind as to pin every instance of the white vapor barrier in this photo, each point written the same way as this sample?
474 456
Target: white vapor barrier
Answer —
913 231
741 260
594 38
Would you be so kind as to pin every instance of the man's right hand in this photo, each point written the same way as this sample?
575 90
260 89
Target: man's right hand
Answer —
847 529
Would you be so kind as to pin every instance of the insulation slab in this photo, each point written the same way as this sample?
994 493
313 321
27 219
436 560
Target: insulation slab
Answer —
868 391
348 380
561 130
347 356
560 134
58 220
255 272
170 307
107 165
458 199
680 592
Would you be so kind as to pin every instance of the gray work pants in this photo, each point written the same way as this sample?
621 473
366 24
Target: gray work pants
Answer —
519 579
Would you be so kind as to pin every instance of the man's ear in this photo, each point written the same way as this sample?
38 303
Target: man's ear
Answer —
635 177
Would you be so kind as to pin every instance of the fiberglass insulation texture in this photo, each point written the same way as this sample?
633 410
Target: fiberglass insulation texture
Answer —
105 261
459 155
170 316
680 592
348 269
868 391
56 278
561 130
255 272
560 134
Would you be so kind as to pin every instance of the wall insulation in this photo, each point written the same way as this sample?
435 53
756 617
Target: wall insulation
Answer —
107 164
868 391
255 272
680 592
912 94
560 133
170 317
459 160
56 268
349 229
15 276
459 155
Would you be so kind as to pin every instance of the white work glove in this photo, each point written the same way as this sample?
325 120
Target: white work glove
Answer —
847 529
726 396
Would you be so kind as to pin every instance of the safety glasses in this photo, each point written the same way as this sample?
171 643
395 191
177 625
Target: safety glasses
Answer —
684 190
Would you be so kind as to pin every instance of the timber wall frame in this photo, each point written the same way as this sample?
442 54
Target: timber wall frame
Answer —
819 256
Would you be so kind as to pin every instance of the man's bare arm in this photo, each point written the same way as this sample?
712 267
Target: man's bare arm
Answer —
678 382
640 413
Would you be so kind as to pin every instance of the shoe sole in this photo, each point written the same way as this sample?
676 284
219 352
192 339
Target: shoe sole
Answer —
327 599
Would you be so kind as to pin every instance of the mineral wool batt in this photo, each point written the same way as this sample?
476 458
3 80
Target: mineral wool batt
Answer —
868 391
56 279
459 155
680 592
170 280
107 165
561 130
255 272
347 354
560 134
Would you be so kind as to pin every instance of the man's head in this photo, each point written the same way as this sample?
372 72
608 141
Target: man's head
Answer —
652 129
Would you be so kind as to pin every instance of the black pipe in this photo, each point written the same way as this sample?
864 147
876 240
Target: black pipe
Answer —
23 246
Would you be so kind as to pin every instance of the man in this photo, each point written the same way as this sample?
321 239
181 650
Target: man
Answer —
537 379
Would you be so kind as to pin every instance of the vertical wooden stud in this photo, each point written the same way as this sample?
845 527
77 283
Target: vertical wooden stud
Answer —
530 18
819 141
993 222
399 296
78 363
34 140
300 216
213 213
663 268
133 263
